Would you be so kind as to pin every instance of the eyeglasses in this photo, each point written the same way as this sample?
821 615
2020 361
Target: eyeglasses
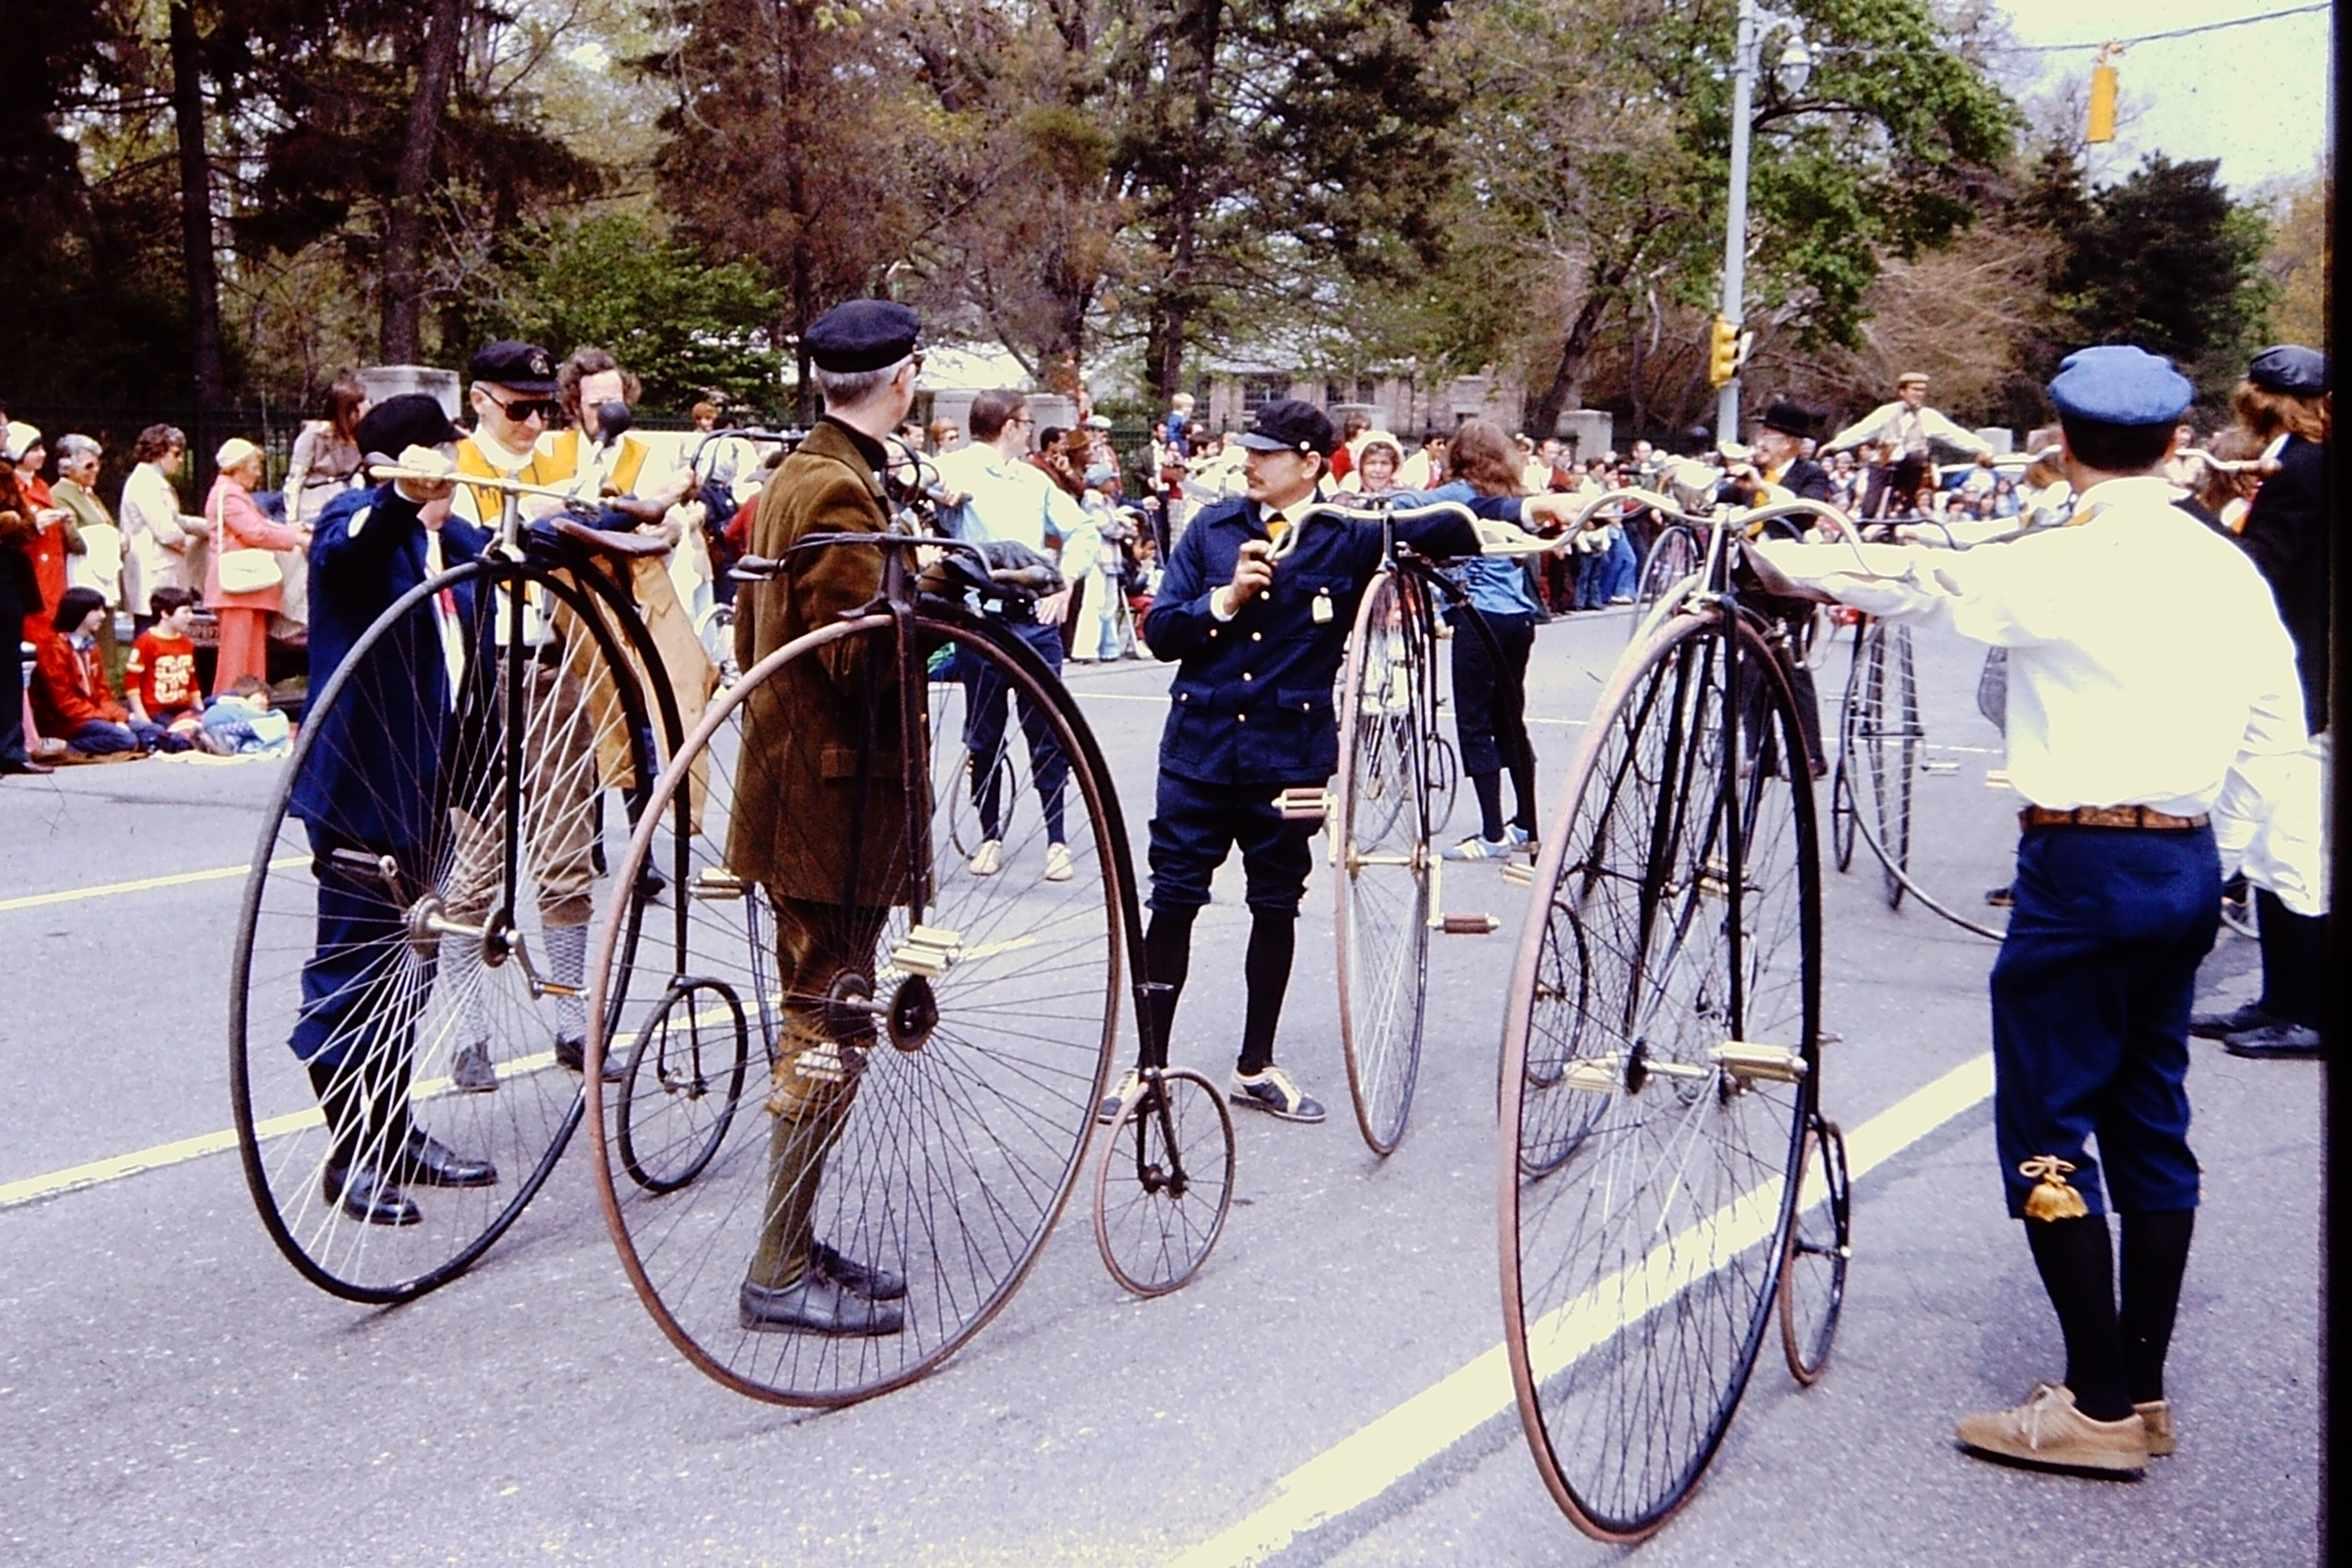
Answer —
544 410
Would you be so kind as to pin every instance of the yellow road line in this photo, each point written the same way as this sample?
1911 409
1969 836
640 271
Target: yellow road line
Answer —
1377 1457
144 884
32 1189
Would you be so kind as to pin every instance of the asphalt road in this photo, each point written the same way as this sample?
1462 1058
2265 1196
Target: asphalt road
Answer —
171 1391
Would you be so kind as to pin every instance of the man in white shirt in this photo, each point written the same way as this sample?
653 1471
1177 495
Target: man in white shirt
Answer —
2147 661
1009 498
1905 430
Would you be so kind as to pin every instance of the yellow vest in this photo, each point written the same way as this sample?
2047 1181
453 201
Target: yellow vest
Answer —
558 459
489 504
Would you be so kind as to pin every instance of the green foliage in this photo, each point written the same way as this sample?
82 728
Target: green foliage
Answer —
2167 259
683 325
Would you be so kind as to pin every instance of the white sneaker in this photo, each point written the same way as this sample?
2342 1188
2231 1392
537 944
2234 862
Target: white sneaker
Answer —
1058 863
988 859
1477 848
1116 1096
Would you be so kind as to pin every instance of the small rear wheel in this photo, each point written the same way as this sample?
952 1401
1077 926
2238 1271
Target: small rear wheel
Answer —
1165 1182
682 1084
1813 1278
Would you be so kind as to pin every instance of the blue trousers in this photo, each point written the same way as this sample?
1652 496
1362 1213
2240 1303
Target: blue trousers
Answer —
986 698
2090 1011
1196 825
1607 575
363 983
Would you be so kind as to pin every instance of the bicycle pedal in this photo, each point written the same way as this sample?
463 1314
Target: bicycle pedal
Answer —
1470 925
1928 767
1997 778
717 884
1594 1075
1751 1062
1519 871
1304 803
927 951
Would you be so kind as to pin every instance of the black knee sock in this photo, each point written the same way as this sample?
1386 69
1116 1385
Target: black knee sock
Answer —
1523 788
1267 971
1490 804
2269 916
2077 1264
1167 959
2295 960
2155 1256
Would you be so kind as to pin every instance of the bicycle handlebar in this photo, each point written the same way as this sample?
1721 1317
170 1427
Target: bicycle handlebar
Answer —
491 482
1494 538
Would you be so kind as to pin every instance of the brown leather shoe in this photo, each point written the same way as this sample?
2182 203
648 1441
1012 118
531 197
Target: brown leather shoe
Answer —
2047 1433
2158 1415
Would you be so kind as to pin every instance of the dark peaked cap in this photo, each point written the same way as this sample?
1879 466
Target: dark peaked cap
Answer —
862 334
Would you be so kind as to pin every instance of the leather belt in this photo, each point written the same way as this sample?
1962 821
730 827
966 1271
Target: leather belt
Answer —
2138 816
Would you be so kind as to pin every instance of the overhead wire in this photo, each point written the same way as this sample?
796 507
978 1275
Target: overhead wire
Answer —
2096 45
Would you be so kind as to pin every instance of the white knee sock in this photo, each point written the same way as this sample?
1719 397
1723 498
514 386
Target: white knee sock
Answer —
461 972
567 964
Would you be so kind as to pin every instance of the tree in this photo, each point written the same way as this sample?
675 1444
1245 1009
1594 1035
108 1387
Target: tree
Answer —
2298 260
685 328
2166 259
1598 142
792 144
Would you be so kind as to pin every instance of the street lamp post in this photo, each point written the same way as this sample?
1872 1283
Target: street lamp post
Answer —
1735 228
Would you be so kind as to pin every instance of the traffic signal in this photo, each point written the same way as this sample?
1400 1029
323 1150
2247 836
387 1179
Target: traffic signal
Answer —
1722 352
2103 99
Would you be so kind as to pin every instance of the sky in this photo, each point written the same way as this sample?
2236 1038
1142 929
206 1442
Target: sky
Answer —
2255 97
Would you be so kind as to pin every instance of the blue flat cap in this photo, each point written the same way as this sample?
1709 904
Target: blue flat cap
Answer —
2115 383
2290 368
863 335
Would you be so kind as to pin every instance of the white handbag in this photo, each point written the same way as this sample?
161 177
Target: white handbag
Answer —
249 570
244 570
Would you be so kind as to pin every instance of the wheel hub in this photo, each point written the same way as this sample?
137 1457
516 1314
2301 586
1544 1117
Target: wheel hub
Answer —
914 1013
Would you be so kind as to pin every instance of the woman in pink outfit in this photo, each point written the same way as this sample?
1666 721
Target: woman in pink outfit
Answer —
239 524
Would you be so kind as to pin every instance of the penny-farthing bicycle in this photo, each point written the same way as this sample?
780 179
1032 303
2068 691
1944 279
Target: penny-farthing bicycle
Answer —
1389 806
1660 1069
847 1049
407 1020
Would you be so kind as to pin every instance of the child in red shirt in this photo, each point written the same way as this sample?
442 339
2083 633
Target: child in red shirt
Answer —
160 681
71 701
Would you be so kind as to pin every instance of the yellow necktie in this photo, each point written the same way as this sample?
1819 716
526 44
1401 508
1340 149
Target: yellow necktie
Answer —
1275 527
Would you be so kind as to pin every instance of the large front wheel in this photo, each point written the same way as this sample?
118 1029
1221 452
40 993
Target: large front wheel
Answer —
1660 1034
407 1019
1380 858
930 1029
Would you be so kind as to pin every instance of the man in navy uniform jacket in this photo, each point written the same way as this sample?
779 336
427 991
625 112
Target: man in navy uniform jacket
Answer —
1258 645
370 786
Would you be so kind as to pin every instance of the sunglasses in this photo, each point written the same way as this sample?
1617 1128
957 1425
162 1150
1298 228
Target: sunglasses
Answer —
544 410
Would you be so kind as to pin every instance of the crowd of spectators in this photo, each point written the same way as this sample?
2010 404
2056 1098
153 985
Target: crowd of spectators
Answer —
103 604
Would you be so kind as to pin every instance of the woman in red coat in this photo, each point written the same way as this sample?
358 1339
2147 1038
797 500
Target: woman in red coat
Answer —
239 524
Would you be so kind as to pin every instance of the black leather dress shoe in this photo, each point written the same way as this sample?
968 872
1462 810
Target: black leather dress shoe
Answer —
370 1196
430 1163
858 1278
572 1055
814 1304
2277 1038
26 767
2236 1021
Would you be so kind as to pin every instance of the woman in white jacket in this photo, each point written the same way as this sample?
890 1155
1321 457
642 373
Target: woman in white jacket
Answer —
157 537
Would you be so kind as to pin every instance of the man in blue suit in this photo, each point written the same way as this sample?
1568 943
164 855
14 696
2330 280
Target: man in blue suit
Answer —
1257 647
372 788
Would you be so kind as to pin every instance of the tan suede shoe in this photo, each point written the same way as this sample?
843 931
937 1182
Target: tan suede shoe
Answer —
2157 1415
2048 1433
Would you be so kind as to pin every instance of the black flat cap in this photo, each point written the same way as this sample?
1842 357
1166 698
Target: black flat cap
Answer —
1790 419
1287 425
863 335
526 368
412 419
2290 368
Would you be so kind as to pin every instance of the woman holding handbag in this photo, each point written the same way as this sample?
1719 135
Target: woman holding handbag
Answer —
244 584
